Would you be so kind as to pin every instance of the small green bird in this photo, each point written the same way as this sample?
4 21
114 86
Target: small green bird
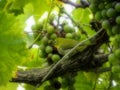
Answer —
63 45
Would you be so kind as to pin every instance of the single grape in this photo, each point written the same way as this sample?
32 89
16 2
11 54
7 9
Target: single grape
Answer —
77 35
116 40
42 47
117 53
48 49
68 28
53 36
106 24
51 18
116 29
111 12
109 32
69 35
44 40
116 69
98 15
93 7
50 29
118 20
39 25
42 54
103 13
55 57
112 59
117 7
50 55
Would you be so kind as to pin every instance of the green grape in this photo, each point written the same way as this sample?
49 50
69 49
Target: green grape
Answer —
116 69
69 35
106 24
50 29
117 53
55 57
109 32
39 25
53 36
103 13
42 47
111 12
68 29
112 59
116 29
93 7
42 54
116 40
117 7
44 40
50 55
118 20
48 49
77 35
51 18
98 15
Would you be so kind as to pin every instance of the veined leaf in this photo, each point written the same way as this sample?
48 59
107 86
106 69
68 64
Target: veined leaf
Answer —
12 45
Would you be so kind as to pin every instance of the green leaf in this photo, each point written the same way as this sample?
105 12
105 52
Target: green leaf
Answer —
12 46
83 83
2 4
82 15
9 86
40 6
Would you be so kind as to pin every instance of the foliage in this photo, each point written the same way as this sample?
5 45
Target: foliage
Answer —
55 32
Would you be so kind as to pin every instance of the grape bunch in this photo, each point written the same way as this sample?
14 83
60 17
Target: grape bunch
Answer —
47 35
107 12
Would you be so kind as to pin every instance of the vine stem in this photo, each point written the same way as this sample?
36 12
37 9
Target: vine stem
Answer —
45 25
67 55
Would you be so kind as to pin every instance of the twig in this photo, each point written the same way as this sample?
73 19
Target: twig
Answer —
82 5
35 75
45 25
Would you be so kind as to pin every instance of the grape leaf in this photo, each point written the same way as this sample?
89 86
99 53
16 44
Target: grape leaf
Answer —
82 15
12 45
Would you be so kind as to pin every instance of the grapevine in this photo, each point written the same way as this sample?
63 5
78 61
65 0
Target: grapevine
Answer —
81 46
